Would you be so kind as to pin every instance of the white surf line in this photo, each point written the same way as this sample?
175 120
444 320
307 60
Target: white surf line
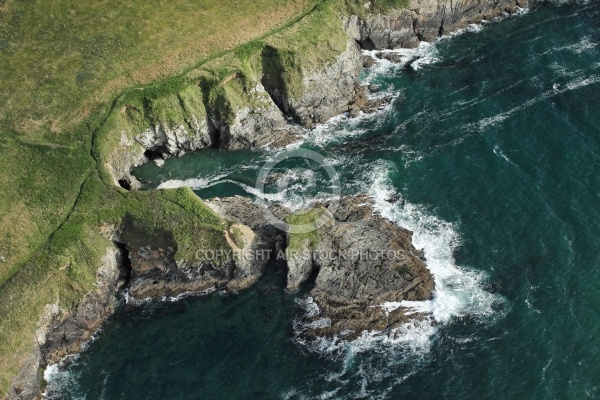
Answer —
458 292
556 90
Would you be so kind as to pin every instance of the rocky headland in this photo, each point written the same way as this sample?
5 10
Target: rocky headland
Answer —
352 264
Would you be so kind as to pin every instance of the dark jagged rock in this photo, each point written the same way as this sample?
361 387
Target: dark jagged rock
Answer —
155 272
423 21
361 261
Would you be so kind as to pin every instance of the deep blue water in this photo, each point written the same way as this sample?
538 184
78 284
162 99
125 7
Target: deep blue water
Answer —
492 151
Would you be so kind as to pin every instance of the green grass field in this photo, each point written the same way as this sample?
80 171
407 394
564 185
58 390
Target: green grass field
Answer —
67 68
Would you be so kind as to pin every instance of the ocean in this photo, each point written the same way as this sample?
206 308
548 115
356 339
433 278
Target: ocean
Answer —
490 153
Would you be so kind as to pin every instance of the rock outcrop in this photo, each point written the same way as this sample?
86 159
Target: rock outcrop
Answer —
192 125
361 261
243 211
423 21
358 261
61 332
157 143
156 273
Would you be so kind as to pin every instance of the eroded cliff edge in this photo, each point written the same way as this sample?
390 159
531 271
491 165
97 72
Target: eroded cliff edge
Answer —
263 93
359 260
268 91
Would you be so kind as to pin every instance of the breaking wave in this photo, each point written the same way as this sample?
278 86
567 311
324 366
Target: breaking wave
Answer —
373 361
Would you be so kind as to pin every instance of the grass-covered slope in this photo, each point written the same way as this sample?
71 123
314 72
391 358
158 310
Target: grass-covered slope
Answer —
64 269
64 58
74 76
61 66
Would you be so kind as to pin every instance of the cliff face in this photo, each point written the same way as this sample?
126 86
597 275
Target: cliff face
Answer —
143 261
324 93
62 332
270 92
423 21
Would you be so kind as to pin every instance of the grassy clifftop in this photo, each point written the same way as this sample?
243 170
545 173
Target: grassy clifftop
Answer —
64 58
73 75
61 66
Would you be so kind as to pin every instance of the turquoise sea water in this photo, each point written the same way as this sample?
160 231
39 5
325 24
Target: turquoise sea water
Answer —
491 154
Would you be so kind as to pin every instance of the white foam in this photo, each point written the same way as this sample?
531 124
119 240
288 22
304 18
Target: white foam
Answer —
200 183
410 307
291 184
471 28
424 54
499 152
192 183
478 27
370 360
61 381
413 336
311 308
458 291
171 299
570 1
582 46
344 127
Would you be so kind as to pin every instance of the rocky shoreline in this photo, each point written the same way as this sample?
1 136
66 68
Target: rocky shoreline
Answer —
348 290
275 117
358 261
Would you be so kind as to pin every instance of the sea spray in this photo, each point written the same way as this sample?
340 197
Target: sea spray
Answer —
61 381
424 54
459 291
368 366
